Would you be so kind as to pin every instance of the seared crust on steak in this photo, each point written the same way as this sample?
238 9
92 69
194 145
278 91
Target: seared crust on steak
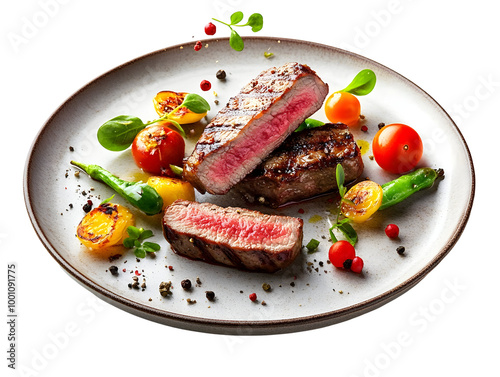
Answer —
253 123
234 237
304 166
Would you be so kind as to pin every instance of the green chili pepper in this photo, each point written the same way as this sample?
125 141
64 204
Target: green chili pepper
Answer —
399 189
139 194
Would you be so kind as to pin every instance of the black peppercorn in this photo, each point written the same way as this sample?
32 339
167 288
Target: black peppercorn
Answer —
348 264
221 74
113 270
210 295
87 208
400 250
186 284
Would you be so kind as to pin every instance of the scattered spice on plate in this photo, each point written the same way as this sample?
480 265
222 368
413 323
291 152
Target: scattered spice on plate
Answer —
205 85
87 207
190 302
266 287
221 74
165 288
210 295
252 297
401 250
113 270
186 284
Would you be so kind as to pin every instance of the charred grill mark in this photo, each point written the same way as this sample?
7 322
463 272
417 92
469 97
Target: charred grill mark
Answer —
202 247
265 260
170 235
309 150
231 255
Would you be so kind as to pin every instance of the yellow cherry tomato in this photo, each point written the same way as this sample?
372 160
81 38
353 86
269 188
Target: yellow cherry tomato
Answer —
362 201
105 226
343 107
171 189
167 101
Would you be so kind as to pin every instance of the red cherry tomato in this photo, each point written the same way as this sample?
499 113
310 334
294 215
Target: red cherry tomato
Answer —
343 107
397 148
339 252
157 147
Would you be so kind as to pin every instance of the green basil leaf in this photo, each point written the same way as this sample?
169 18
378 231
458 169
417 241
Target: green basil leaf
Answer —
235 41
117 134
236 17
256 21
196 103
332 235
349 233
152 246
177 126
362 84
309 123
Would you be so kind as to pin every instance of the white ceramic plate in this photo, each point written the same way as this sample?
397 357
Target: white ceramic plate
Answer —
310 293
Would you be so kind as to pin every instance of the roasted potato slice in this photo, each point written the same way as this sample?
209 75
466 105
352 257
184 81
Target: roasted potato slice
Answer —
105 226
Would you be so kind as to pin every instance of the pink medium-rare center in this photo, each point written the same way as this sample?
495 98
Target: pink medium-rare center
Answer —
235 237
234 230
245 151
252 125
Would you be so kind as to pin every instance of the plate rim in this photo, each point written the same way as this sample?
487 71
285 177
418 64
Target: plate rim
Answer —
244 327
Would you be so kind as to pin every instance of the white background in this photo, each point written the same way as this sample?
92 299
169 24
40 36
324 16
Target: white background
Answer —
449 48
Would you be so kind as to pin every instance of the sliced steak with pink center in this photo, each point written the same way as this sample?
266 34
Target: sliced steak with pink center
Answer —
304 166
234 237
252 125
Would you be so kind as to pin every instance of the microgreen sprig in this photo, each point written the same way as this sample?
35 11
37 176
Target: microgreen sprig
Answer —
342 224
255 21
362 84
117 134
135 239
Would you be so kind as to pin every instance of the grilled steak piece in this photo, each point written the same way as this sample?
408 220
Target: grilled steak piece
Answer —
253 124
234 237
304 166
